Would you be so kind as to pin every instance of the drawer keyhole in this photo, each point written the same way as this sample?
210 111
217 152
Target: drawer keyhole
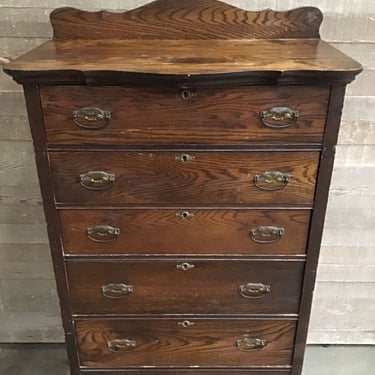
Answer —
184 158
186 323
185 215
185 266
187 94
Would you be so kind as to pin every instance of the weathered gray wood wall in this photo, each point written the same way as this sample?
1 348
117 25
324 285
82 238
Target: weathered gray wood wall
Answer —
344 301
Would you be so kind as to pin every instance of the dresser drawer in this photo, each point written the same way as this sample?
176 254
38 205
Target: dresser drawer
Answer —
163 231
185 286
175 342
184 179
125 115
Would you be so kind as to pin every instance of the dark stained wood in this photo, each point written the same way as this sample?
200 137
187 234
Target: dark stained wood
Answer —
164 343
210 232
317 224
152 52
161 116
211 287
34 111
156 178
220 80
162 62
190 19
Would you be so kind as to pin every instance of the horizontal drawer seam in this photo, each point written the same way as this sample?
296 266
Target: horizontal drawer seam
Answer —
267 317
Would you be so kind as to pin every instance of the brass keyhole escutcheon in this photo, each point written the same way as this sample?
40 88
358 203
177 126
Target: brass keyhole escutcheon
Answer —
184 215
187 94
186 323
185 266
184 158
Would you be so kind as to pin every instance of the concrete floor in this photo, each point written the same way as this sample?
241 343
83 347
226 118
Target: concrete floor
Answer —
47 359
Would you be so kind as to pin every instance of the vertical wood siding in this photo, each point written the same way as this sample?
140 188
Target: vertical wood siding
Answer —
344 299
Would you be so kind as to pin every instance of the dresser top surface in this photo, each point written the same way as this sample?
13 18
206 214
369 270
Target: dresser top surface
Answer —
184 39
184 57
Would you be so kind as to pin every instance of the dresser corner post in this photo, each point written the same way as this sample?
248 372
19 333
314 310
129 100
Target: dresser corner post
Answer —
35 116
336 102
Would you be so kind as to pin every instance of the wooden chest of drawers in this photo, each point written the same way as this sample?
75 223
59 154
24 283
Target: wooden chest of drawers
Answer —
184 151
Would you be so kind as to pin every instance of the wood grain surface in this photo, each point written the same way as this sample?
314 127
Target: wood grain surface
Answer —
157 179
159 286
34 110
207 343
225 232
169 60
161 116
192 19
347 278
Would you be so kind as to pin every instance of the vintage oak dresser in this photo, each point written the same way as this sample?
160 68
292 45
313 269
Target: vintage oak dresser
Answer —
184 151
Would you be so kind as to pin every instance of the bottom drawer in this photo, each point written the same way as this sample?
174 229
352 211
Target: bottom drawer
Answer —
121 343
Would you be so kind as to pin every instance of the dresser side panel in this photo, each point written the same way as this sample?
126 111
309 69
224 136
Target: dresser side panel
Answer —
36 121
317 221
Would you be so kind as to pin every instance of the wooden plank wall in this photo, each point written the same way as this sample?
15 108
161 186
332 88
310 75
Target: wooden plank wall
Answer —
344 301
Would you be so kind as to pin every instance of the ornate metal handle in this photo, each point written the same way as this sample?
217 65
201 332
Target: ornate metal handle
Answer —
247 343
91 118
186 323
186 94
121 344
97 180
271 180
103 233
266 235
252 290
184 215
185 266
184 158
117 291
279 117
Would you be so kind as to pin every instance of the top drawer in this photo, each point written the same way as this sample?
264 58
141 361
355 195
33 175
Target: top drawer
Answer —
131 115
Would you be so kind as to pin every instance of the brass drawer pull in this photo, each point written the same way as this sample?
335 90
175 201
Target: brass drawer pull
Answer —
247 343
91 118
103 233
266 235
252 290
117 291
184 215
185 266
279 117
184 158
186 323
271 180
121 345
97 180
186 94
